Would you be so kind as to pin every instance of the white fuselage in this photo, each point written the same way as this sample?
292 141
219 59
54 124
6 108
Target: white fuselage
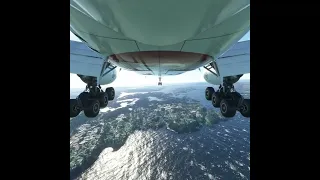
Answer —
160 37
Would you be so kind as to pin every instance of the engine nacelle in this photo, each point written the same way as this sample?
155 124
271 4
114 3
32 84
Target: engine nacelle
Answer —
109 77
211 78
216 80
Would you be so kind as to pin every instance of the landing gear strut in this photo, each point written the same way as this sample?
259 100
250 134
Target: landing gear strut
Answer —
228 99
92 99
159 83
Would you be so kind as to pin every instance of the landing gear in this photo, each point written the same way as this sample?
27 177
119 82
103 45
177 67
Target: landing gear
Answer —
93 108
159 83
103 99
228 108
245 108
92 99
209 92
111 93
74 109
228 99
216 99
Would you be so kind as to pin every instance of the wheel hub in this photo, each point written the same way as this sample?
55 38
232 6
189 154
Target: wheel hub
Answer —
75 108
95 108
214 100
244 108
223 107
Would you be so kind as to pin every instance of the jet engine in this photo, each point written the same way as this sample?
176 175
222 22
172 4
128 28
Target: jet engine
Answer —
215 80
109 77
211 78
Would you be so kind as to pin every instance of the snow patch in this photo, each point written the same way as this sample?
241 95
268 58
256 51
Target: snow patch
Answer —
123 94
154 99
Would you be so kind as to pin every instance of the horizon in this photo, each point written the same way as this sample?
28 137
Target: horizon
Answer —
164 85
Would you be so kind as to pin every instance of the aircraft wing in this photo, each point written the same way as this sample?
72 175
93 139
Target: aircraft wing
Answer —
236 60
84 61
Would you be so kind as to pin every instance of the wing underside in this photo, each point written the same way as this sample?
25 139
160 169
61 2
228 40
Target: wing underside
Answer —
85 61
236 60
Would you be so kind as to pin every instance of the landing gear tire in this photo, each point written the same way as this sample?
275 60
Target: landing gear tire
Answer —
237 97
245 108
215 99
111 93
103 99
93 109
228 108
84 96
74 109
208 93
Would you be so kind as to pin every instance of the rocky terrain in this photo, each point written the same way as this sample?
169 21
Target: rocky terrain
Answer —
133 110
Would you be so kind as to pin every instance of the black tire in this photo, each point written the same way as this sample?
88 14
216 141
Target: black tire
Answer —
111 93
84 96
93 110
103 99
216 99
237 97
208 93
245 109
228 108
74 109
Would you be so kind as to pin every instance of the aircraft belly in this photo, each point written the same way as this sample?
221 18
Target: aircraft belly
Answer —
160 63
202 26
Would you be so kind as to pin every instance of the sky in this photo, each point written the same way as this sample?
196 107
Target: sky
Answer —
140 80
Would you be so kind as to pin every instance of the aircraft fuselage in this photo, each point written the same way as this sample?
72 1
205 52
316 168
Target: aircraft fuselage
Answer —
156 37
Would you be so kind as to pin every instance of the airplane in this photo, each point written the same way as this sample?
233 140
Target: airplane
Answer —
159 38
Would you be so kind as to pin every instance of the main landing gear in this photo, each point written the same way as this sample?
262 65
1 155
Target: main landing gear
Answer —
92 99
228 99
